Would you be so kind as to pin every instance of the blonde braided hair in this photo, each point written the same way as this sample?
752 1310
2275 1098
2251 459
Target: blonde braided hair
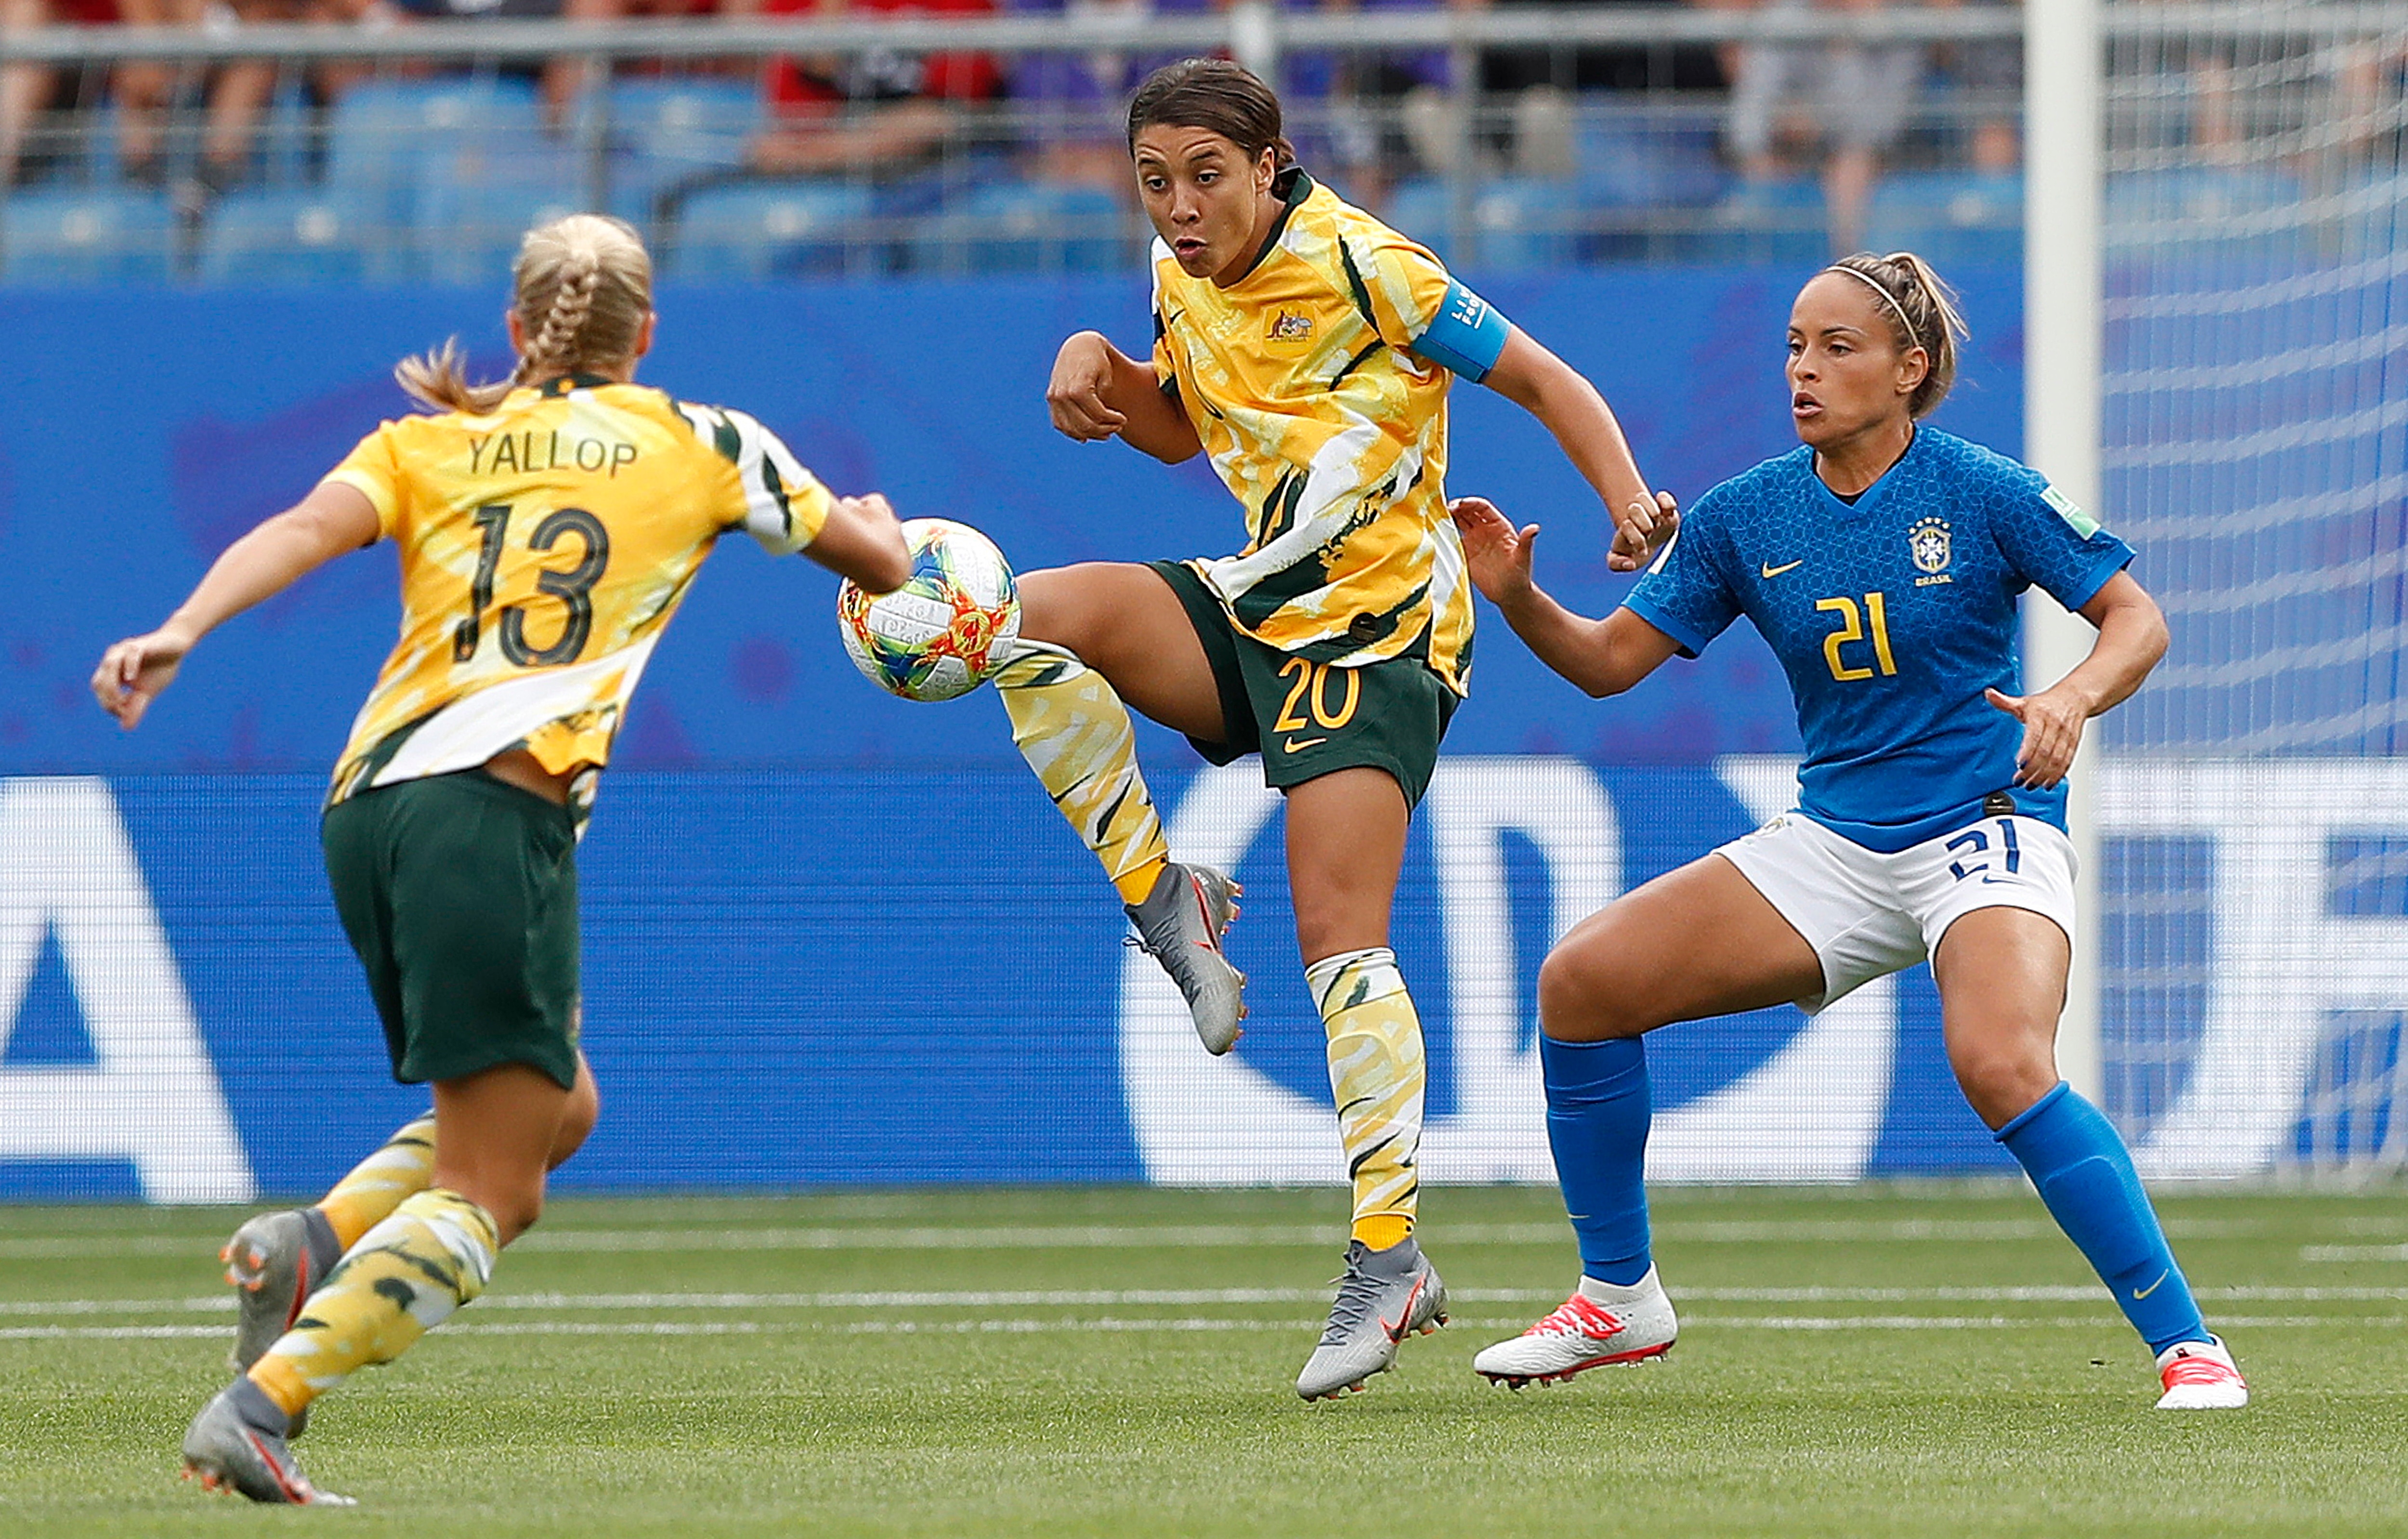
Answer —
1922 313
583 289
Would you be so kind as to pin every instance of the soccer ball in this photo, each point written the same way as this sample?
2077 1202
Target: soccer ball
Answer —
950 626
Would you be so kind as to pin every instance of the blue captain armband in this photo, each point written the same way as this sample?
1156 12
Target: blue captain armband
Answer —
1468 335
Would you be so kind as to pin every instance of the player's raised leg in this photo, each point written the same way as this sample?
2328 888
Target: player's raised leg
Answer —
1696 942
1092 637
2001 974
1345 849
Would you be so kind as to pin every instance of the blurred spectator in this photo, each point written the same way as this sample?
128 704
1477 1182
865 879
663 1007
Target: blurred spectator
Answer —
1071 105
1347 110
1836 109
143 91
239 92
1990 74
1628 67
875 112
562 81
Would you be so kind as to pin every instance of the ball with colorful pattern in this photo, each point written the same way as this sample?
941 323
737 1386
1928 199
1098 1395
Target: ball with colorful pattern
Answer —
947 629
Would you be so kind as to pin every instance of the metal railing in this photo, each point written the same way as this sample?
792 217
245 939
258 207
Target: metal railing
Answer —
1633 175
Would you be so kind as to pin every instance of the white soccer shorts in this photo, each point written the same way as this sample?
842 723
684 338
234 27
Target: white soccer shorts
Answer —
1869 914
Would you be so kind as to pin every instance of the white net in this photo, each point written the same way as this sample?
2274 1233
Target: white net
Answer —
2254 447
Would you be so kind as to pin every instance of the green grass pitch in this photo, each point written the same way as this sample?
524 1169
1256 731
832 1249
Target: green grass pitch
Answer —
1882 1361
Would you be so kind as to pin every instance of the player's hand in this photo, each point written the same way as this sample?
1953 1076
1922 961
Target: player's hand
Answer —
2053 724
1498 555
1082 370
1641 530
133 672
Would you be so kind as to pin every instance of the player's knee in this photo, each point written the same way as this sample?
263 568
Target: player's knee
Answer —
1579 1001
2002 1079
577 1120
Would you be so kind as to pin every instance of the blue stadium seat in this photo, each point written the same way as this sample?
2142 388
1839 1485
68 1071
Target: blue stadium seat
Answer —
469 227
1628 160
1949 217
285 237
391 139
1519 223
666 130
77 236
284 137
1006 226
1778 223
761 230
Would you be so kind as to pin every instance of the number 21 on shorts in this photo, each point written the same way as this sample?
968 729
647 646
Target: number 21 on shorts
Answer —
1976 842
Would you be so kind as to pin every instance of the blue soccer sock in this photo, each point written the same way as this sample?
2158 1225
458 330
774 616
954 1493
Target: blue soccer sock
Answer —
2084 1174
1597 1114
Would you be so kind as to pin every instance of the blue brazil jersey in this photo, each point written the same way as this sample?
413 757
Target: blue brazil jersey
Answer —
1890 615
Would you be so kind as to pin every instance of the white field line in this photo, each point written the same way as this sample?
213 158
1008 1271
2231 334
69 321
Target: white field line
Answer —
2354 1252
1185 1324
1185 1237
223 1304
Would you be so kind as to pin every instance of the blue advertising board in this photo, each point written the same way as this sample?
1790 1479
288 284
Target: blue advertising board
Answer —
835 938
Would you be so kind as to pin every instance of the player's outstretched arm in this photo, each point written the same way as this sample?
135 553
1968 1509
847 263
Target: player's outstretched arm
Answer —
861 539
1098 392
1602 656
333 519
2132 636
1562 398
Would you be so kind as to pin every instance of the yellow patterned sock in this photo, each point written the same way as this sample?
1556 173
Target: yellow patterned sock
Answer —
1077 735
1377 1074
379 1184
403 1279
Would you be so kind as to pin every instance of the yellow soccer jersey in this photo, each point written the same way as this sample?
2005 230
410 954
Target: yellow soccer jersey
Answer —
543 549
1318 384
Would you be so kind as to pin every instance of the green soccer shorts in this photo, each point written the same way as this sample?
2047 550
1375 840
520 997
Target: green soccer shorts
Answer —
459 894
1308 719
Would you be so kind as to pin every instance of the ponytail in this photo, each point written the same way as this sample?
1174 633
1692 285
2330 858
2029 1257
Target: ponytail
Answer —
583 290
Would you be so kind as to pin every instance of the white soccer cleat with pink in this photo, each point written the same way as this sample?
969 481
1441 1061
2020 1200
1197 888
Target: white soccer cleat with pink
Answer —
1597 1325
2200 1376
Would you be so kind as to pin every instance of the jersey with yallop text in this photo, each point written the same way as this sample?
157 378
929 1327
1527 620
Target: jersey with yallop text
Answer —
1890 615
1317 383
544 547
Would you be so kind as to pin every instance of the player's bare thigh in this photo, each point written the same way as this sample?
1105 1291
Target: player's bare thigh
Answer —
2001 974
1123 621
1696 942
1345 849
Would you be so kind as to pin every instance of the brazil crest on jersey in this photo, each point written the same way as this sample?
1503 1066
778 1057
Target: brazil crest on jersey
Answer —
1890 615
1317 383
543 549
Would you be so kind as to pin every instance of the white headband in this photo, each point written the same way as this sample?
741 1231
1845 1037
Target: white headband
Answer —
1882 289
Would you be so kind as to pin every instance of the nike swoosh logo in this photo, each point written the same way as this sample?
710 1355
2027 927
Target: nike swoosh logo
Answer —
1771 570
2140 1293
1397 1330
1294 745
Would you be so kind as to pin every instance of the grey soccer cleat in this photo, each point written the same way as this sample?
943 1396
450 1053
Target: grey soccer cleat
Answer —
1179 926
274 1261
238 1443
1385 1296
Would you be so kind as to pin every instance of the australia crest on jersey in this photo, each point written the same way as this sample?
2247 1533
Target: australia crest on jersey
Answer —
1927 542
1289 335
